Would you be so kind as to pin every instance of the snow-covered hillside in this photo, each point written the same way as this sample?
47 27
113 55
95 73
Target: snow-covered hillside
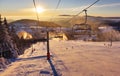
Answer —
68 58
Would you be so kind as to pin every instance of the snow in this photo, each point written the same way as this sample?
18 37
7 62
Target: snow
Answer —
105 29
68 58
115 20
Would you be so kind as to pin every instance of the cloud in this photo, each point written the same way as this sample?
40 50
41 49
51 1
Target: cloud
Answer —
107 5
95 6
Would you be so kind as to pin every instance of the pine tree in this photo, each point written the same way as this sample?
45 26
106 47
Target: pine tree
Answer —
8 48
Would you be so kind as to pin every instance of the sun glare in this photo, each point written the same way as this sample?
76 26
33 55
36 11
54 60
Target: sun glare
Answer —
40 9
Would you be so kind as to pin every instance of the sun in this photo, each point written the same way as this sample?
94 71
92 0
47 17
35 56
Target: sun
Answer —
39 9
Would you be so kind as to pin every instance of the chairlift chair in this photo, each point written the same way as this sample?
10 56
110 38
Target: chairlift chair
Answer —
83 28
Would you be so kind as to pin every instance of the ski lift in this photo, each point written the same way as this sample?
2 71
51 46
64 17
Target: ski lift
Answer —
83 28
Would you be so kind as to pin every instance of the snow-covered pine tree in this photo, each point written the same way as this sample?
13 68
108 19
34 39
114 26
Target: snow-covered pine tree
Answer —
8 48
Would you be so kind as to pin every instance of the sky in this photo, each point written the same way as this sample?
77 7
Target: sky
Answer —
19 9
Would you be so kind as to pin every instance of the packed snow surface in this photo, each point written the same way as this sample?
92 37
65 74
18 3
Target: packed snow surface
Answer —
68 58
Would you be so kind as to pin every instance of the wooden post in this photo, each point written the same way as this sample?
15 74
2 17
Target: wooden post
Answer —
48 50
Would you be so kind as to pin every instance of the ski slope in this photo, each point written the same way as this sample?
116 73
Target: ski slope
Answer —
68 58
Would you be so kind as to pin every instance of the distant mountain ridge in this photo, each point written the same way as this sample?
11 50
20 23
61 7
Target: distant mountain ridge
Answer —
30 22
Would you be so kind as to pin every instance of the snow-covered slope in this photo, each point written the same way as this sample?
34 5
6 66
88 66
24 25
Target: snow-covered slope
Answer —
68 58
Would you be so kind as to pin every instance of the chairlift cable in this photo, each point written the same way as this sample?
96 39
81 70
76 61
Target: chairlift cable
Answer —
83 10
36 10
59 1
58 4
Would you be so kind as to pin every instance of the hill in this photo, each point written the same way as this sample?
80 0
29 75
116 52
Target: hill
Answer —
30 22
